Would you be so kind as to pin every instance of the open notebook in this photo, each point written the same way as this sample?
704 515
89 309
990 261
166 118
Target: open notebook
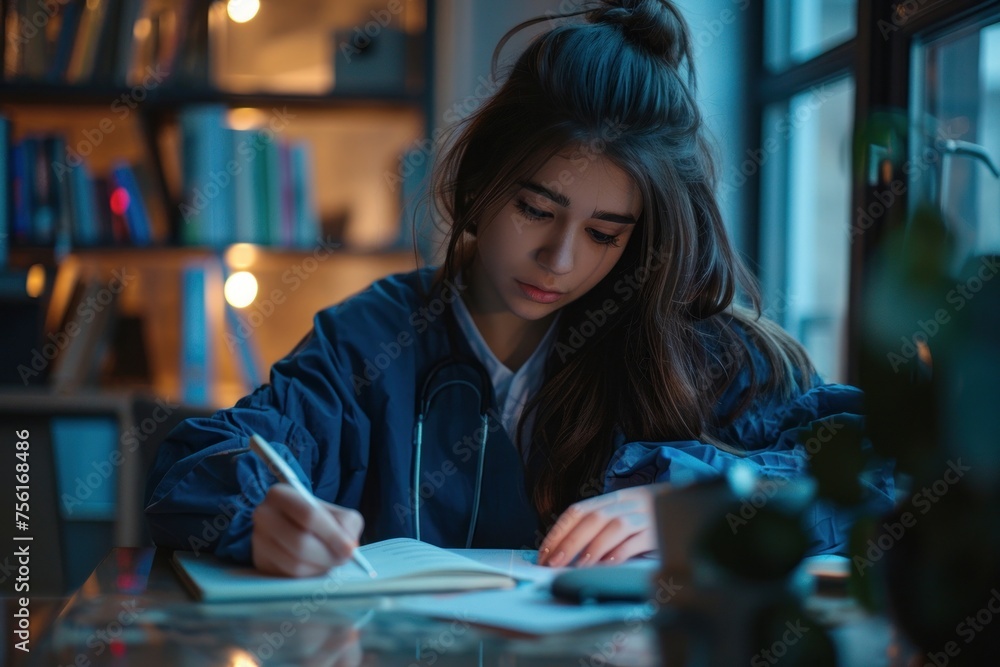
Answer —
404 565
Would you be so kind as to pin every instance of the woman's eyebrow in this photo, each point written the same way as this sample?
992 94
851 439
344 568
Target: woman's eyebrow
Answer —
614 217
540 189
563 201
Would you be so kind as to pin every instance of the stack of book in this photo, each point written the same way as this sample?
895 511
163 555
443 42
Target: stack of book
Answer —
51 198
243 185
114 42
54 200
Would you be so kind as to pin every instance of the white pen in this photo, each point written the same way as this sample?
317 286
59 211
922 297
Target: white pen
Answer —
280 468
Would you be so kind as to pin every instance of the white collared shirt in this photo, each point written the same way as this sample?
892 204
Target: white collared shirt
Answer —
512 390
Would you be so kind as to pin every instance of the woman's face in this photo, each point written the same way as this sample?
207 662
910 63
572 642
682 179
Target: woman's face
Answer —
559 235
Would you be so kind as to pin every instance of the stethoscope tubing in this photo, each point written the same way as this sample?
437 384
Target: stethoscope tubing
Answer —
418 438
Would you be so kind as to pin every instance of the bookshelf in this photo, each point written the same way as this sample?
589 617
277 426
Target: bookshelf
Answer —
121 299
191 134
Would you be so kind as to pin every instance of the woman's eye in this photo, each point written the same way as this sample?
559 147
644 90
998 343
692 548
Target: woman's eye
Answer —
529 211
605 239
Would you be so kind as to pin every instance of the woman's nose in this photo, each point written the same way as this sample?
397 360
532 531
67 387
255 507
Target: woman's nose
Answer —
556 255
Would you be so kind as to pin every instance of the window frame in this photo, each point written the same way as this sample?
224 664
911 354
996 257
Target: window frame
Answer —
878 58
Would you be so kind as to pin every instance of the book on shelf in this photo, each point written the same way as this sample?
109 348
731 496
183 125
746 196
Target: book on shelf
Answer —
404 565
196 363
242 185
6 201
51 199
270 179
85 330
87 223
245 354
206 209
115 42
157 46
130 205
83 52
68 24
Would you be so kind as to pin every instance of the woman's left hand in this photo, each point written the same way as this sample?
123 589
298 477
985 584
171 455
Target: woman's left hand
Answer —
604 529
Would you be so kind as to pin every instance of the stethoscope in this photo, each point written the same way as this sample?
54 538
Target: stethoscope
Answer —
428 393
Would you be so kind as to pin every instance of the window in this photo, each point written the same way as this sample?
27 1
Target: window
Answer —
798 30
955 107
807 198
805 188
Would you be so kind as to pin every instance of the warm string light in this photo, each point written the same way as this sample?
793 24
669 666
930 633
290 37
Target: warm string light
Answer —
241 289
241 11
34 285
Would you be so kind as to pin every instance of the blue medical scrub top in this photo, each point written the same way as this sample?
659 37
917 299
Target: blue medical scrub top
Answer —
341 409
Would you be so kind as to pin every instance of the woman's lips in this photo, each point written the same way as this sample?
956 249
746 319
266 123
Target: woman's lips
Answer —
538 295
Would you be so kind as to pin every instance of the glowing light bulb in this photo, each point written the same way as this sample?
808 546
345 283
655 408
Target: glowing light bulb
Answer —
143 27
242 255
241 11
34 285
240 289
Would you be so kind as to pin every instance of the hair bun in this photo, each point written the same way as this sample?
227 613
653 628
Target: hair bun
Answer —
655 25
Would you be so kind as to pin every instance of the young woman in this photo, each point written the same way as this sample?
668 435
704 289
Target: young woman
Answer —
580 344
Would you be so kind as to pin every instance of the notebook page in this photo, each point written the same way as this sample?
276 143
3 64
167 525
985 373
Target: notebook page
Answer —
404 557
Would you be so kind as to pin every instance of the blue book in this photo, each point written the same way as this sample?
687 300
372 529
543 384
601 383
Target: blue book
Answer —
136 215
196 358
270 181
250 225
207 206
43 213
6 201
306 218
69 22
86 228
21 194
246 360
59 194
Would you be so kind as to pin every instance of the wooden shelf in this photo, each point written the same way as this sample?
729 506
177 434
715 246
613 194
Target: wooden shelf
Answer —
162 255
175 96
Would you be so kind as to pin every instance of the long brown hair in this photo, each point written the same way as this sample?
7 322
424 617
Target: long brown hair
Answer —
621 85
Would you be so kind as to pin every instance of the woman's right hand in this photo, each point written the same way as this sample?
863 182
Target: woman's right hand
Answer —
293 538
